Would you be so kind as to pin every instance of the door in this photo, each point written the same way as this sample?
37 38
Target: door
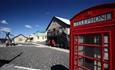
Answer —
91 51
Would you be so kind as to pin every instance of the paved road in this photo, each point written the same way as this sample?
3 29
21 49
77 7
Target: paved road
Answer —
41 57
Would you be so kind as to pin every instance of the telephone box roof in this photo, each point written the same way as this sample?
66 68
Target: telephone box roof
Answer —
106 5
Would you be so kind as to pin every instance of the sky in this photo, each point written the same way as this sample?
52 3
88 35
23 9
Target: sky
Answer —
28 16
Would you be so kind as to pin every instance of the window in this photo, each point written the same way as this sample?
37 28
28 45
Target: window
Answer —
97 65
20 39
91 51
106 57
90 64
80 38
106 66
38 37
106 44
43 37
106 40
90 39
60 30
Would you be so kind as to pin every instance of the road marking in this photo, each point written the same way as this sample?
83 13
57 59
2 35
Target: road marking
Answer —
20 67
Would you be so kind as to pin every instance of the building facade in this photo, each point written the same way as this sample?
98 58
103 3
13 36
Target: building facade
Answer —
58 32
39 37
92 39
20 39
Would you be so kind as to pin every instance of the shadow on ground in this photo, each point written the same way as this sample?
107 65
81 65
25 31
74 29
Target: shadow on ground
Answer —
3 62
59 67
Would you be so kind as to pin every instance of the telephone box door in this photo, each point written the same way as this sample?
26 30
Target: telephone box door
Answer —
91 51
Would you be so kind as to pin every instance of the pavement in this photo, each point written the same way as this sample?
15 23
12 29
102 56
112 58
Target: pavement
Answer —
55 48
37 57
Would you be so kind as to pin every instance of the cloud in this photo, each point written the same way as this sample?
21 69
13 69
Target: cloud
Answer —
4 22
28 26
5 29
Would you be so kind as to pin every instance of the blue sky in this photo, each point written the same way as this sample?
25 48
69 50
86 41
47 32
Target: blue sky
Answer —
28 16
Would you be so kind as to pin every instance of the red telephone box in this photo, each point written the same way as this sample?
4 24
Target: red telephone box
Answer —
93 39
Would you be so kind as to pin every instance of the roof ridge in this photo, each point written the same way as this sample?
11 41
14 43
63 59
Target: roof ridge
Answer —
63 19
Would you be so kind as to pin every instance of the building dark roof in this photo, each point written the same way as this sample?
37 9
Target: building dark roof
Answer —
20 35
3 40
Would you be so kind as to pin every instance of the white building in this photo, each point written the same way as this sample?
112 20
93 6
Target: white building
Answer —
39 37
20 39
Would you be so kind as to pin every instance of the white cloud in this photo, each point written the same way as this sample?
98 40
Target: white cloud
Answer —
5 29
28 26
4 22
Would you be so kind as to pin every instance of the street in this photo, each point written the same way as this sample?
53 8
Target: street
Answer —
41 57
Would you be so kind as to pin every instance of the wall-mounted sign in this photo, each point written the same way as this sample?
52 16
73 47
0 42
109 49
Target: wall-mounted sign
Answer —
103 17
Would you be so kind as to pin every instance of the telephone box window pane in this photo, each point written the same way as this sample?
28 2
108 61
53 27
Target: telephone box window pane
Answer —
105 49
97 53
81 53
97 39
97 65
81 61
80 38
80 49
106 57
89 64
97 68
106 40
106 66
89 51
90 39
